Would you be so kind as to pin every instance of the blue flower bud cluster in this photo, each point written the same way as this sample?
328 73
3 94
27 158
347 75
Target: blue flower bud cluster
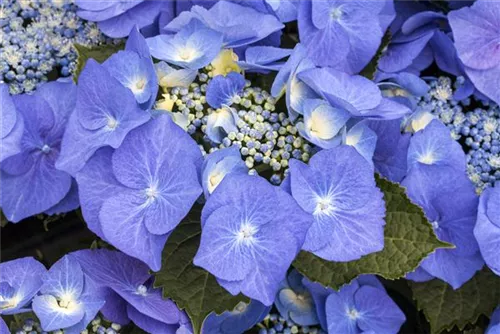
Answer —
474 124
275 324
97 326
36 39
267 138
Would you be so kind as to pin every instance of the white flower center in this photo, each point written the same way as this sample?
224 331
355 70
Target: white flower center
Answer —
152 193
187 54
45 148
324 206
336 13
246 233
427 158
112 123
214 180
138 85
353 314
142 290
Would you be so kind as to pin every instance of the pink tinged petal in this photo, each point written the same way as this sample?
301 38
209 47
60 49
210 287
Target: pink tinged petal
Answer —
122 223
476 31
52 316
377 311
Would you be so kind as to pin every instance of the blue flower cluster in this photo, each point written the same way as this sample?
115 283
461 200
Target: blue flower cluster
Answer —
176 119
476 125
37 38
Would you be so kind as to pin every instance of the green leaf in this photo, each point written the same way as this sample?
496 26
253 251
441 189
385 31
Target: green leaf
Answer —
192 288
445 308
100 53
370 69
408 238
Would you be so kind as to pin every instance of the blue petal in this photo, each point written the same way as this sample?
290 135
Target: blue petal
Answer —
363 139
435 146
391 151
319 294
222 90
142 15
170 77
52 316
105 112
322 123
136 43
236 22
64 279
339 190
487 231
122 223
494 326
218 164
25 276
96 183
102 10
239 320
193 47
221 122
4 329
136 73
377 311
69 203
149 324
8 112
419 275
338 305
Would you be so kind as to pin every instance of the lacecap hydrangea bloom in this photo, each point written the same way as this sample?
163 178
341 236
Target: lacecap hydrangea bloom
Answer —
31 183
252 231
362 306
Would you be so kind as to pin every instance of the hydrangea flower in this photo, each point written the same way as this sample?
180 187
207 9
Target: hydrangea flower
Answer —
68 299
475 30
338 189
450 203
116 18
154 185
242 318
105 112
322 123
344 35
262 59
225 90
220 123
12 126
362 306
127 285
30 182
235 22
287 80
294 301
134 69
251 233
218 164
494 326
434 146
171 77
20 280
194 46
487 229
355 94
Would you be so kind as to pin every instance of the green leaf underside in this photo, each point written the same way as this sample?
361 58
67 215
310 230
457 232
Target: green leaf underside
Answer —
193 289
445 308
100 53
408 239
370 69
